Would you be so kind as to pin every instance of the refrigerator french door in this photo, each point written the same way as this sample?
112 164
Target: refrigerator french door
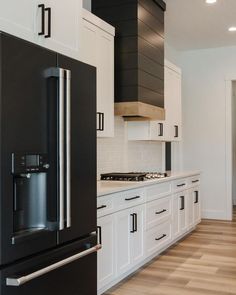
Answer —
48 162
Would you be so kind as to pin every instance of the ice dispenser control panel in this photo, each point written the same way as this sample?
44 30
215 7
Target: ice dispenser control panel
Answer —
29 163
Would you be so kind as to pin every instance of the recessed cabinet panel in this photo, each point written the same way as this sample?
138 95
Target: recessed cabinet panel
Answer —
123 240
158 211
157 238
106 256
17 18
137 240
196 205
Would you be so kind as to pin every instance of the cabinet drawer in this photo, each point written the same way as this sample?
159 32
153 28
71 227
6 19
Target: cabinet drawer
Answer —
158 211
158 237
180 185
105 205
194 181
129 199
158 191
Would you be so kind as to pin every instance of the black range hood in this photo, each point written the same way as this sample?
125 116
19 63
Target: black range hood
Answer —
139 56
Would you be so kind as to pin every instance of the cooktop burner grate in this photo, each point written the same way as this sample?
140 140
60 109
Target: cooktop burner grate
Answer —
133 176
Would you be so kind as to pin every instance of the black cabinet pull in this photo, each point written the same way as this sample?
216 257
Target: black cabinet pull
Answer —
196 197
134 198
162 237
133 223
42 6
49 11
176 131
194 181
101 207
182 203
160 212
180 185
161 132
99 233
101 119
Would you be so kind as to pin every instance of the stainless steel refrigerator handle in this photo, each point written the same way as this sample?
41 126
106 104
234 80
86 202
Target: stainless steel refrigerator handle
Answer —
68 148
61 148
16 282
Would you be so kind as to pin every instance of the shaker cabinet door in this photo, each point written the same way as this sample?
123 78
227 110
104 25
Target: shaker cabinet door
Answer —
98 50
106 256
17 18
62 21
124 226
137 238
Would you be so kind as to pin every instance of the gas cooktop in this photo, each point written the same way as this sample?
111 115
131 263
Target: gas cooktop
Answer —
133 176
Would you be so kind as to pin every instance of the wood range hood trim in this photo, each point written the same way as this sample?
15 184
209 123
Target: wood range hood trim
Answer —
139 111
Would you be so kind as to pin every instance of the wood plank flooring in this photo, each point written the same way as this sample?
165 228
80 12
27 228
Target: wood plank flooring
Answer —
202 264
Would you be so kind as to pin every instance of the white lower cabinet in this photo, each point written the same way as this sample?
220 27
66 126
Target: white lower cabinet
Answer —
129 238
106 256
138 224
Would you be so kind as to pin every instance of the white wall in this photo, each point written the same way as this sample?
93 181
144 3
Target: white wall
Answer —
204 122
119 155
172 55
87 4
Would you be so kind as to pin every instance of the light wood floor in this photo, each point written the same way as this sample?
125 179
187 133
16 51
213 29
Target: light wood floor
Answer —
202 264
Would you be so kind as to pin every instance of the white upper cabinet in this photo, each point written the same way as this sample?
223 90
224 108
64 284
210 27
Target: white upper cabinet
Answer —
17 18
171 128
98 50
62 25
52 24
173 102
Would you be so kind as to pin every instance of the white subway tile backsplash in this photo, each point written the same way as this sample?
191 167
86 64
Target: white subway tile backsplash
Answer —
119 155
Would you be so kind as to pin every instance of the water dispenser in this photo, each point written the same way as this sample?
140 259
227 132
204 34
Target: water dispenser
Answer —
30 194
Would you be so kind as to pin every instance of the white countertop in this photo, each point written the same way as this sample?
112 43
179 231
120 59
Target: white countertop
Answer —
105 187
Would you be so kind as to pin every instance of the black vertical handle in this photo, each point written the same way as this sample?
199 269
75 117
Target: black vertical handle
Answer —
182 203
161 133
196 197
99 233
49 11
176 131
133 223
102 121
42 6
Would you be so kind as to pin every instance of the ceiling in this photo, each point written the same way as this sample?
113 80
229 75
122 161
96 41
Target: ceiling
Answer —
193 24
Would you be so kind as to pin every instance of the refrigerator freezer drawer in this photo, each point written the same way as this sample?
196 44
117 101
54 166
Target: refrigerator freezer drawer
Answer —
70 270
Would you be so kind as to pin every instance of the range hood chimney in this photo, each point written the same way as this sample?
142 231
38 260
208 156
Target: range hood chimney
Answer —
139 56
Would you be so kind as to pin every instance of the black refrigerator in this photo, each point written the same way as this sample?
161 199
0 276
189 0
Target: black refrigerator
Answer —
48 238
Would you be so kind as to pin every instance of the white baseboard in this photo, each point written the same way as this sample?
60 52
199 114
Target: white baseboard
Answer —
214 214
